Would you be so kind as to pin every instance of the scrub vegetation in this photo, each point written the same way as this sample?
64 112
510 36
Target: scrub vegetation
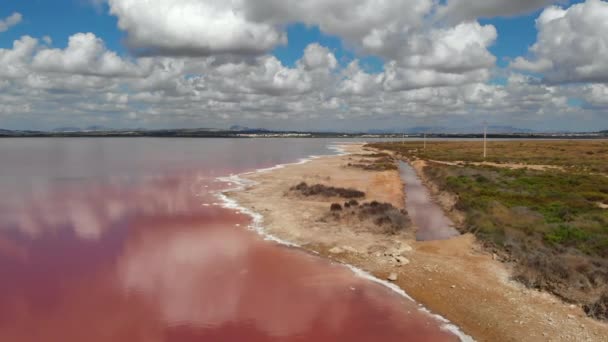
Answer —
574 155
387 218
374 162
551 224
326 191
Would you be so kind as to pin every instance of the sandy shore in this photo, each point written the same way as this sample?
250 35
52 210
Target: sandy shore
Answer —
456 278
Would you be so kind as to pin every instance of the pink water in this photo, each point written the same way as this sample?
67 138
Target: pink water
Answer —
125 240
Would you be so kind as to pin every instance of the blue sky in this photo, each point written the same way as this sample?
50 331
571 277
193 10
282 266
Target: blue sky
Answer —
386 70
60 19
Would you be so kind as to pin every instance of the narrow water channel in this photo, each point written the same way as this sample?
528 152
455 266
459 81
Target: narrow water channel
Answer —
427 216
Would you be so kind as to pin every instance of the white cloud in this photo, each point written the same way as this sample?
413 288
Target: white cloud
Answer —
10 21
270 77
537 66
393 30
397 78
193 27
572 45
596 95
208 63
357 82
463 10
442 57
260 91
457 49
85 54
318 57
363 24
254 27
14 62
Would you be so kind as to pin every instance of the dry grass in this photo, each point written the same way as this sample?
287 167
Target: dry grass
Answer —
577 155
374 162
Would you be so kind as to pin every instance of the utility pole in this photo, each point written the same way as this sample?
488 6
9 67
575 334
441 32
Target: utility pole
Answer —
425 141
485 139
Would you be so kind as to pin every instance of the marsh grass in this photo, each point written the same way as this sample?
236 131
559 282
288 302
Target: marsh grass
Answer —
548 223
579 155
557 207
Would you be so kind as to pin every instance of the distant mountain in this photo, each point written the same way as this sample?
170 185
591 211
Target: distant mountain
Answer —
95 128
67 129
15 133
426 129
381 131
238 128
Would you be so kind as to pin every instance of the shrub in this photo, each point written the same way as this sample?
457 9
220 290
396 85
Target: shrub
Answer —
599 309
335 207
385 214
327 191
389 219
566 235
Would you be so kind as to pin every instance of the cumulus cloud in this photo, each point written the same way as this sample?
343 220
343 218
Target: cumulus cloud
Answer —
537 66
14 62
356 81
458 49
318 57
260 91
397 78
572 45
270 77
85 54
209 63
418 55
364 24
463 10
10 21
193 27
442 57
254 27
596 96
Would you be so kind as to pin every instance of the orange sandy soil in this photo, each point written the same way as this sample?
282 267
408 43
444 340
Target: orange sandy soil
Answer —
456 279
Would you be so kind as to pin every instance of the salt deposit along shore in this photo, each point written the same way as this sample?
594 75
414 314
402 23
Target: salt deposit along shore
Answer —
454 278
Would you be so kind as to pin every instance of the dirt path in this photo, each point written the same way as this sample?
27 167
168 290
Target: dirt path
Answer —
453 278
